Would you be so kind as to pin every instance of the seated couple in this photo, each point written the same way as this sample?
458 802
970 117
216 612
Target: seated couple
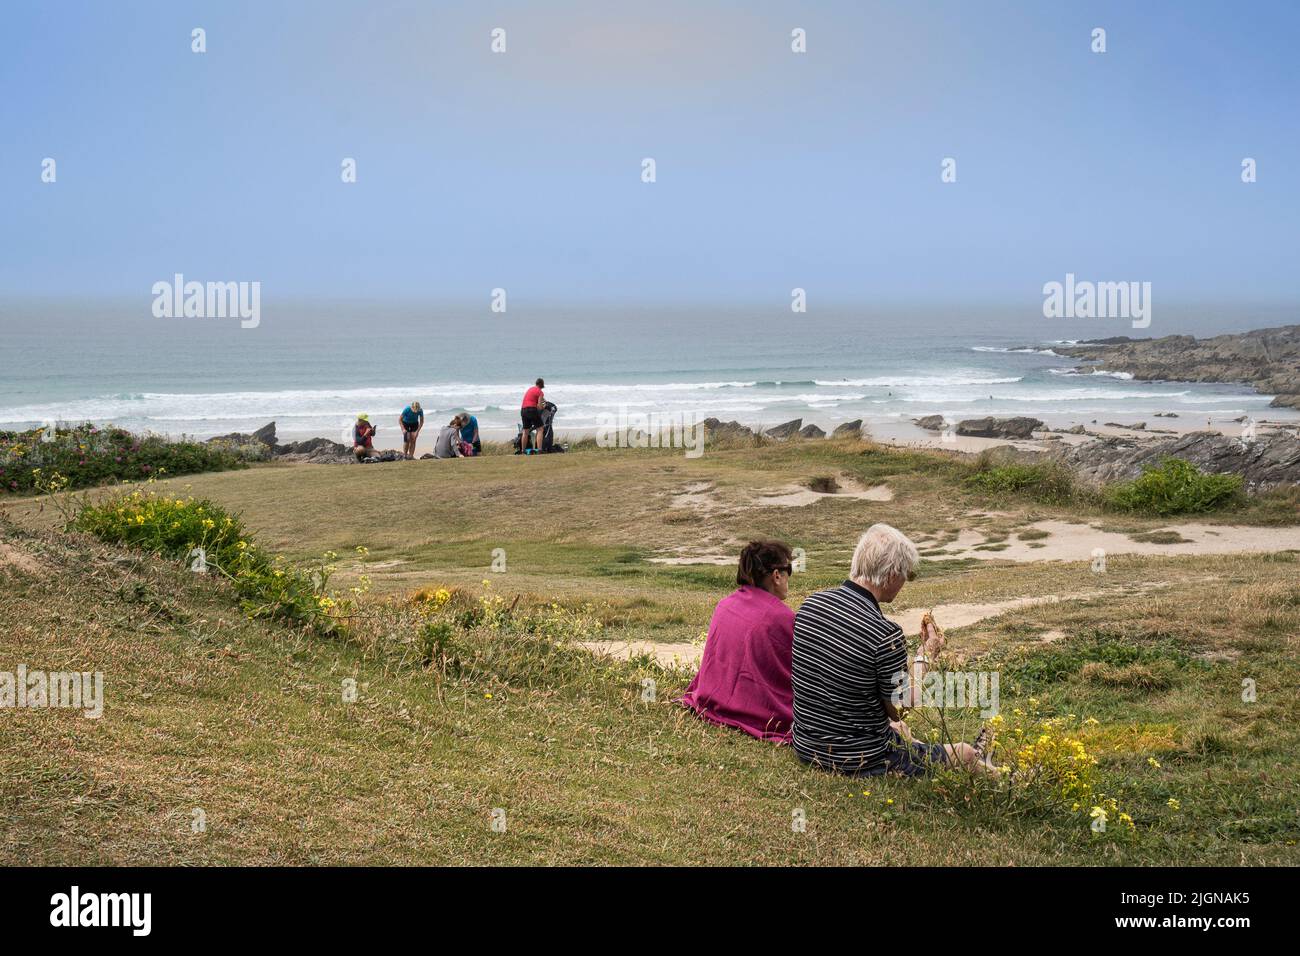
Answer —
824 679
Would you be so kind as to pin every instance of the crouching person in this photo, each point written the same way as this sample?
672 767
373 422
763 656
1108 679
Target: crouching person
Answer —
363 438
850 670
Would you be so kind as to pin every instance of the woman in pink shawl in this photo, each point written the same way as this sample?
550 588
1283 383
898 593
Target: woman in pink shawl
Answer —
744 678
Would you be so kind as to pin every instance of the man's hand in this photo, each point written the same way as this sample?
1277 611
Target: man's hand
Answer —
932 640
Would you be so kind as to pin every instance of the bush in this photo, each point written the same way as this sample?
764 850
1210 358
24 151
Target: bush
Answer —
1045 769
209 539
86 455
1175 486
1047 483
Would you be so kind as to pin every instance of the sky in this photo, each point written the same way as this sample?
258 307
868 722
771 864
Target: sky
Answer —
522 170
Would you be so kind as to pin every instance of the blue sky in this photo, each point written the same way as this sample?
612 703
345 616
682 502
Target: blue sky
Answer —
775 170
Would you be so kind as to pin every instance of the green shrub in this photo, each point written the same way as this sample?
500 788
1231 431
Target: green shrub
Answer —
1175 486
210 540
86 455
1049 483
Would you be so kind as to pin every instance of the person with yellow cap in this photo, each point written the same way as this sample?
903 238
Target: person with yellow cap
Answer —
363 438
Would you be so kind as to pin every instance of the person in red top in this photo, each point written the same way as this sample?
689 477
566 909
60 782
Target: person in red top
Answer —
363 435
531 413
744 680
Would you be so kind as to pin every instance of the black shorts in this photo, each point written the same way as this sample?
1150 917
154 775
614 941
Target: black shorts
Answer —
410 428
915 760
532 416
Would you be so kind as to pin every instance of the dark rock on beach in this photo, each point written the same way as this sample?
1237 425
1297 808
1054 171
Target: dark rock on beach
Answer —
999 427
932 423
716 428
851 429
785 430
1268 359
811 431
1268 461
318 450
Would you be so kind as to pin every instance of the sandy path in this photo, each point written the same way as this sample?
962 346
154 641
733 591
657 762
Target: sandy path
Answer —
1076 542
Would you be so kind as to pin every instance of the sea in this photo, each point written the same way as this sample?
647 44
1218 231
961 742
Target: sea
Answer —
311 367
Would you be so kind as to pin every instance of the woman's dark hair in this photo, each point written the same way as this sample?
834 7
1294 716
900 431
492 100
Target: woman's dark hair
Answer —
540 383
761 558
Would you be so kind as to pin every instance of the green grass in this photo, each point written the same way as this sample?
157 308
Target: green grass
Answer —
246 719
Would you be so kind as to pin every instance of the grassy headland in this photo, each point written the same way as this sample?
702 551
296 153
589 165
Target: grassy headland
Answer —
245 719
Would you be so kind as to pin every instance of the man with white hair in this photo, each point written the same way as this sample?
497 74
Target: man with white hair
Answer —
850 670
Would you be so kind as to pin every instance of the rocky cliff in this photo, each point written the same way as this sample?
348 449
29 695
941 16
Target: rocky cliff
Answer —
1268 359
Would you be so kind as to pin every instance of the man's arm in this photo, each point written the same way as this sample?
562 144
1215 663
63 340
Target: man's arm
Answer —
908 695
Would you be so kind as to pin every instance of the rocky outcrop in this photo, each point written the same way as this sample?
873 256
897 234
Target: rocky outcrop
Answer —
1267 461
999 427
1268 359
931 423
320 451
262 445
811 431
785 430
851 429
715 428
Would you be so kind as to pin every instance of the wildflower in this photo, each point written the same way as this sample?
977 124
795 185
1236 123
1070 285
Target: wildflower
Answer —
1152 761
1126 820
889 801
1174 804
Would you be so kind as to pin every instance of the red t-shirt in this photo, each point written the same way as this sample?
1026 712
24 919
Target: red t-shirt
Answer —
532 397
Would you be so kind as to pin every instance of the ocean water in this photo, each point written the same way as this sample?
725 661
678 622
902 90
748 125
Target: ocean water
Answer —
312 367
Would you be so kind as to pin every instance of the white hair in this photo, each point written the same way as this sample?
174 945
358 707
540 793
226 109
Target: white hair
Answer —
882 553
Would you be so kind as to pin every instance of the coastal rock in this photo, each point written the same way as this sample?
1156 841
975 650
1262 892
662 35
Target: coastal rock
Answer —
932 423
1020 427
851 429
319 451
1268 359
811 431
716 428
1268 461
265 434
785 430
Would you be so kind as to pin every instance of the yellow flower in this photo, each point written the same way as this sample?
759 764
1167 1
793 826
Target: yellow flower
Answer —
487 696
1152 761
1174 804
889 801
1127 820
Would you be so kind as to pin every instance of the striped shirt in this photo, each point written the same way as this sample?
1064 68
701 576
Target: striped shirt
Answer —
846 658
